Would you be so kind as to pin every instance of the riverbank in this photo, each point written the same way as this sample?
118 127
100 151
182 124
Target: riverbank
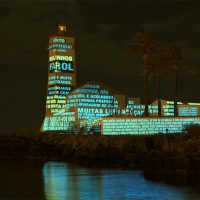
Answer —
172 157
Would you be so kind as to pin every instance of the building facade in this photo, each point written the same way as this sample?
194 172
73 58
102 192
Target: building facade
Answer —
61 72
73 109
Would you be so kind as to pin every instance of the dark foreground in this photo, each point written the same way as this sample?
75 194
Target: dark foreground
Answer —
174 158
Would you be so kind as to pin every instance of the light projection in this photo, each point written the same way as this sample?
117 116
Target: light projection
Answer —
167 109
150 125
70 109
190 109
91 102
61 78
60 122
84 107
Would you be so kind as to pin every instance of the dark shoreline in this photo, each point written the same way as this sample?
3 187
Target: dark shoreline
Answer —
174 158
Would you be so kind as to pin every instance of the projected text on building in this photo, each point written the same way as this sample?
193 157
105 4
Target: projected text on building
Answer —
151 125
61 77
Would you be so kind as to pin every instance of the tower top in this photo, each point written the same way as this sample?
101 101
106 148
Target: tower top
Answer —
62 29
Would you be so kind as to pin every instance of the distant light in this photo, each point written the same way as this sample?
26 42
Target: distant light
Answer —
195 104
62 28
172 102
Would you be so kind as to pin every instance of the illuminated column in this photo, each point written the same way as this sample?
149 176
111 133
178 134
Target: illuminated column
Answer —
61 71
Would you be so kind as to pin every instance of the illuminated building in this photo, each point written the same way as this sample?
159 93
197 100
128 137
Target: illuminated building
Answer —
145 125
184 109
82 109
61 72
86 106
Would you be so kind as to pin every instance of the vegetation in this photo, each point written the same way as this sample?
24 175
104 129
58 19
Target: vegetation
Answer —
161 156
157 60
193 129
144 46
177 59
158 67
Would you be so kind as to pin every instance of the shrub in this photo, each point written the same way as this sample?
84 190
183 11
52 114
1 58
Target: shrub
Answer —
193 129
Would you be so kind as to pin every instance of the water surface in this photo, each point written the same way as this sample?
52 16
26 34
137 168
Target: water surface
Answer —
60 181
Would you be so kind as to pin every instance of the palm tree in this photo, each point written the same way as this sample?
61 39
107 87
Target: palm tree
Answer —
144 46
158 66
177 60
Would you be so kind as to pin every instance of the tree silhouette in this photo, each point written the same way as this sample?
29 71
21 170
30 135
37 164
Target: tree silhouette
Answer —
158 66
143 46
177 59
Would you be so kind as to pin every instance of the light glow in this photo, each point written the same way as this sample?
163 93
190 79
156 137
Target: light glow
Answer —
150 125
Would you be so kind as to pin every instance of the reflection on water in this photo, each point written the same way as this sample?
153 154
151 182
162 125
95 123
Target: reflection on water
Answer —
63 181
71 182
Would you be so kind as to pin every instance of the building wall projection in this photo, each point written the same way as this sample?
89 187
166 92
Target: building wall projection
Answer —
93 101
85 107
61 75
150 125
69 108
88 104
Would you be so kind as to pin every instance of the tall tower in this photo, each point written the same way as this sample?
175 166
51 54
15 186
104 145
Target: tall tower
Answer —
61 75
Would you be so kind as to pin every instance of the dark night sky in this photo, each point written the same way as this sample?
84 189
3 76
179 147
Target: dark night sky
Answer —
103 30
